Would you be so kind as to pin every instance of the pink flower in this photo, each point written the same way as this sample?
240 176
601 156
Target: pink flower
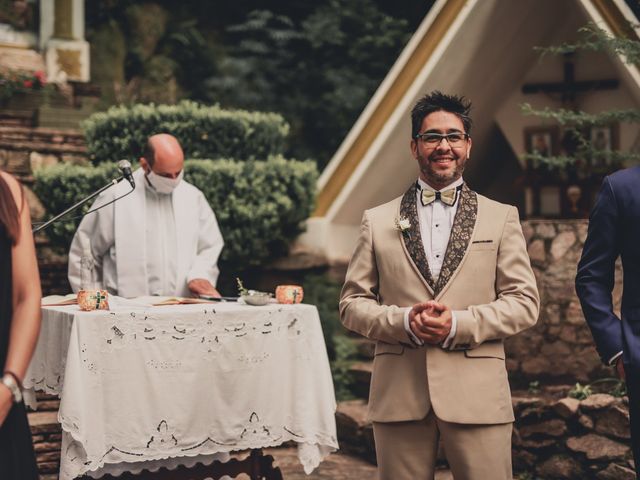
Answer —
41 76
28 83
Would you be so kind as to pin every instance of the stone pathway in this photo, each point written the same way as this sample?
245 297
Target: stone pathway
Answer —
337 466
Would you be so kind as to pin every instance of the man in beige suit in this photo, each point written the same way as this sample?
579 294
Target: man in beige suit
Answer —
439 278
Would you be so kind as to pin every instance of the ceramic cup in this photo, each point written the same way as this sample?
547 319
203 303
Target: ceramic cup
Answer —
289 293
93 300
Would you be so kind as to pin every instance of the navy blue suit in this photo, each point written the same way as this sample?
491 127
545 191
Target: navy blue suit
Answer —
614 231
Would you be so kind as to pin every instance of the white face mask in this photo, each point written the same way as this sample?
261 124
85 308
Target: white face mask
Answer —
162 184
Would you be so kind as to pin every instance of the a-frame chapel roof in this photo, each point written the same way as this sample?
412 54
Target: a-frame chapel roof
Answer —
484 50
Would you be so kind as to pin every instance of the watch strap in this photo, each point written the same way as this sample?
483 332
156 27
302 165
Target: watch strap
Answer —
9 381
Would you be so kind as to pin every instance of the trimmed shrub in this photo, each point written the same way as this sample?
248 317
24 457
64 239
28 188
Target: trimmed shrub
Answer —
203 131
324 292
62 185
260 205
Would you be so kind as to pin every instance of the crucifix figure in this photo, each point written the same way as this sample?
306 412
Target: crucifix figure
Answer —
569 88
568 197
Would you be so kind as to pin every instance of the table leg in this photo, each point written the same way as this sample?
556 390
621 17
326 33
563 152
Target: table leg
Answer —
255 464
262 467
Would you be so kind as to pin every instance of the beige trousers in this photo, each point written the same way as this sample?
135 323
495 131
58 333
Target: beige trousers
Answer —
407 450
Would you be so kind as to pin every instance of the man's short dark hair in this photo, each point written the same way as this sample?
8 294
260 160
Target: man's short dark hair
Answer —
149 153
437 101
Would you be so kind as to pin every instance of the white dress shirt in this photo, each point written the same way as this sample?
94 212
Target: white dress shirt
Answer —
436 222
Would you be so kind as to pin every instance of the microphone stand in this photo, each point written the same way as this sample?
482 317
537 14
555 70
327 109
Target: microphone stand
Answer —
79 204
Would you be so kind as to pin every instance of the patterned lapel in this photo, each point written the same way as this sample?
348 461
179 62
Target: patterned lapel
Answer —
412 238
463 225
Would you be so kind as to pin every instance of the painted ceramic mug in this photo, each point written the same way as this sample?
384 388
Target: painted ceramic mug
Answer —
289 293
93 300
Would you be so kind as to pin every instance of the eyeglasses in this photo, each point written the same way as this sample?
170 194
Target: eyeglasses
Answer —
454 139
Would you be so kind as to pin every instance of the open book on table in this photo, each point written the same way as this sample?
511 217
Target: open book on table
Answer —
59 300
159 301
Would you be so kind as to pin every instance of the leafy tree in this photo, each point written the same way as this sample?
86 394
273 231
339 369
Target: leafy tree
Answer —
316 63
319 71
578 144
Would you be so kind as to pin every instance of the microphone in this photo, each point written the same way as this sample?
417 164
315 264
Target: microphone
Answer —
125 168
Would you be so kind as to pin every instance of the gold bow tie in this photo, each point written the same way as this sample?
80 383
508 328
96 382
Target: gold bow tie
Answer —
448 197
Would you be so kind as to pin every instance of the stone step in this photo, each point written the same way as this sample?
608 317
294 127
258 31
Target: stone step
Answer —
47 403
47 439
355 432
361 378
337 466
17 118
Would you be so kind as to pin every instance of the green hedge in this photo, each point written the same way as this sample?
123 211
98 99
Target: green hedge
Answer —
203 131
324 292
60 186
260 205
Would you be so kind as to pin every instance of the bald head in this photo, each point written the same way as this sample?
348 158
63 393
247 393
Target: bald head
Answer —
163 155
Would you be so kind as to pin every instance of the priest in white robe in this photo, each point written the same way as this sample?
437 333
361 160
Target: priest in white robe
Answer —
161 239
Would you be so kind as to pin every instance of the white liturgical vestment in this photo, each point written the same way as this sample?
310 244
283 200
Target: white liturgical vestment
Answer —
161 245
147 243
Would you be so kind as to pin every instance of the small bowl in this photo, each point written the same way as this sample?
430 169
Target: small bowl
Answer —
256 298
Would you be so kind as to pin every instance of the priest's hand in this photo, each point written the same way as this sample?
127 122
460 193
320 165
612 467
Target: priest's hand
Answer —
430 322
202 286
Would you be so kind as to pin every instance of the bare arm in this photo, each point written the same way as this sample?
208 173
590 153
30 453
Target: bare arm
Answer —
25 323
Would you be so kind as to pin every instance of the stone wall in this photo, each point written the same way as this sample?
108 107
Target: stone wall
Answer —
554 436
560 347
24 149
572 439
46 433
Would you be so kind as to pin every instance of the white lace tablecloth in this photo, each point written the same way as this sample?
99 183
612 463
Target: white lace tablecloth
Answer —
184 382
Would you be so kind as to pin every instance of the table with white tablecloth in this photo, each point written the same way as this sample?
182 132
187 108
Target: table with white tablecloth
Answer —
176 384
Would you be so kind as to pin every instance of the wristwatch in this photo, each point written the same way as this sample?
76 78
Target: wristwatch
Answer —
10 382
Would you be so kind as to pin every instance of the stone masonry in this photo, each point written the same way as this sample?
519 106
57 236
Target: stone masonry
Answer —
566 438
25 149
560 347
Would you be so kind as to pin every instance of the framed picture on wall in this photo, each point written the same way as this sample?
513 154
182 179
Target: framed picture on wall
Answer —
604 140
542 141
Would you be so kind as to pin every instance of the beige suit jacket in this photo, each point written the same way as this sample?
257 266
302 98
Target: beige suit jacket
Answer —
486 278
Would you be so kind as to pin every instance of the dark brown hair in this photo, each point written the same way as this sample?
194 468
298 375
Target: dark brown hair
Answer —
9 214
437 101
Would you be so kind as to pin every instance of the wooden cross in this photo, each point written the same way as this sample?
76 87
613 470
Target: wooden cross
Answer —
569 88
